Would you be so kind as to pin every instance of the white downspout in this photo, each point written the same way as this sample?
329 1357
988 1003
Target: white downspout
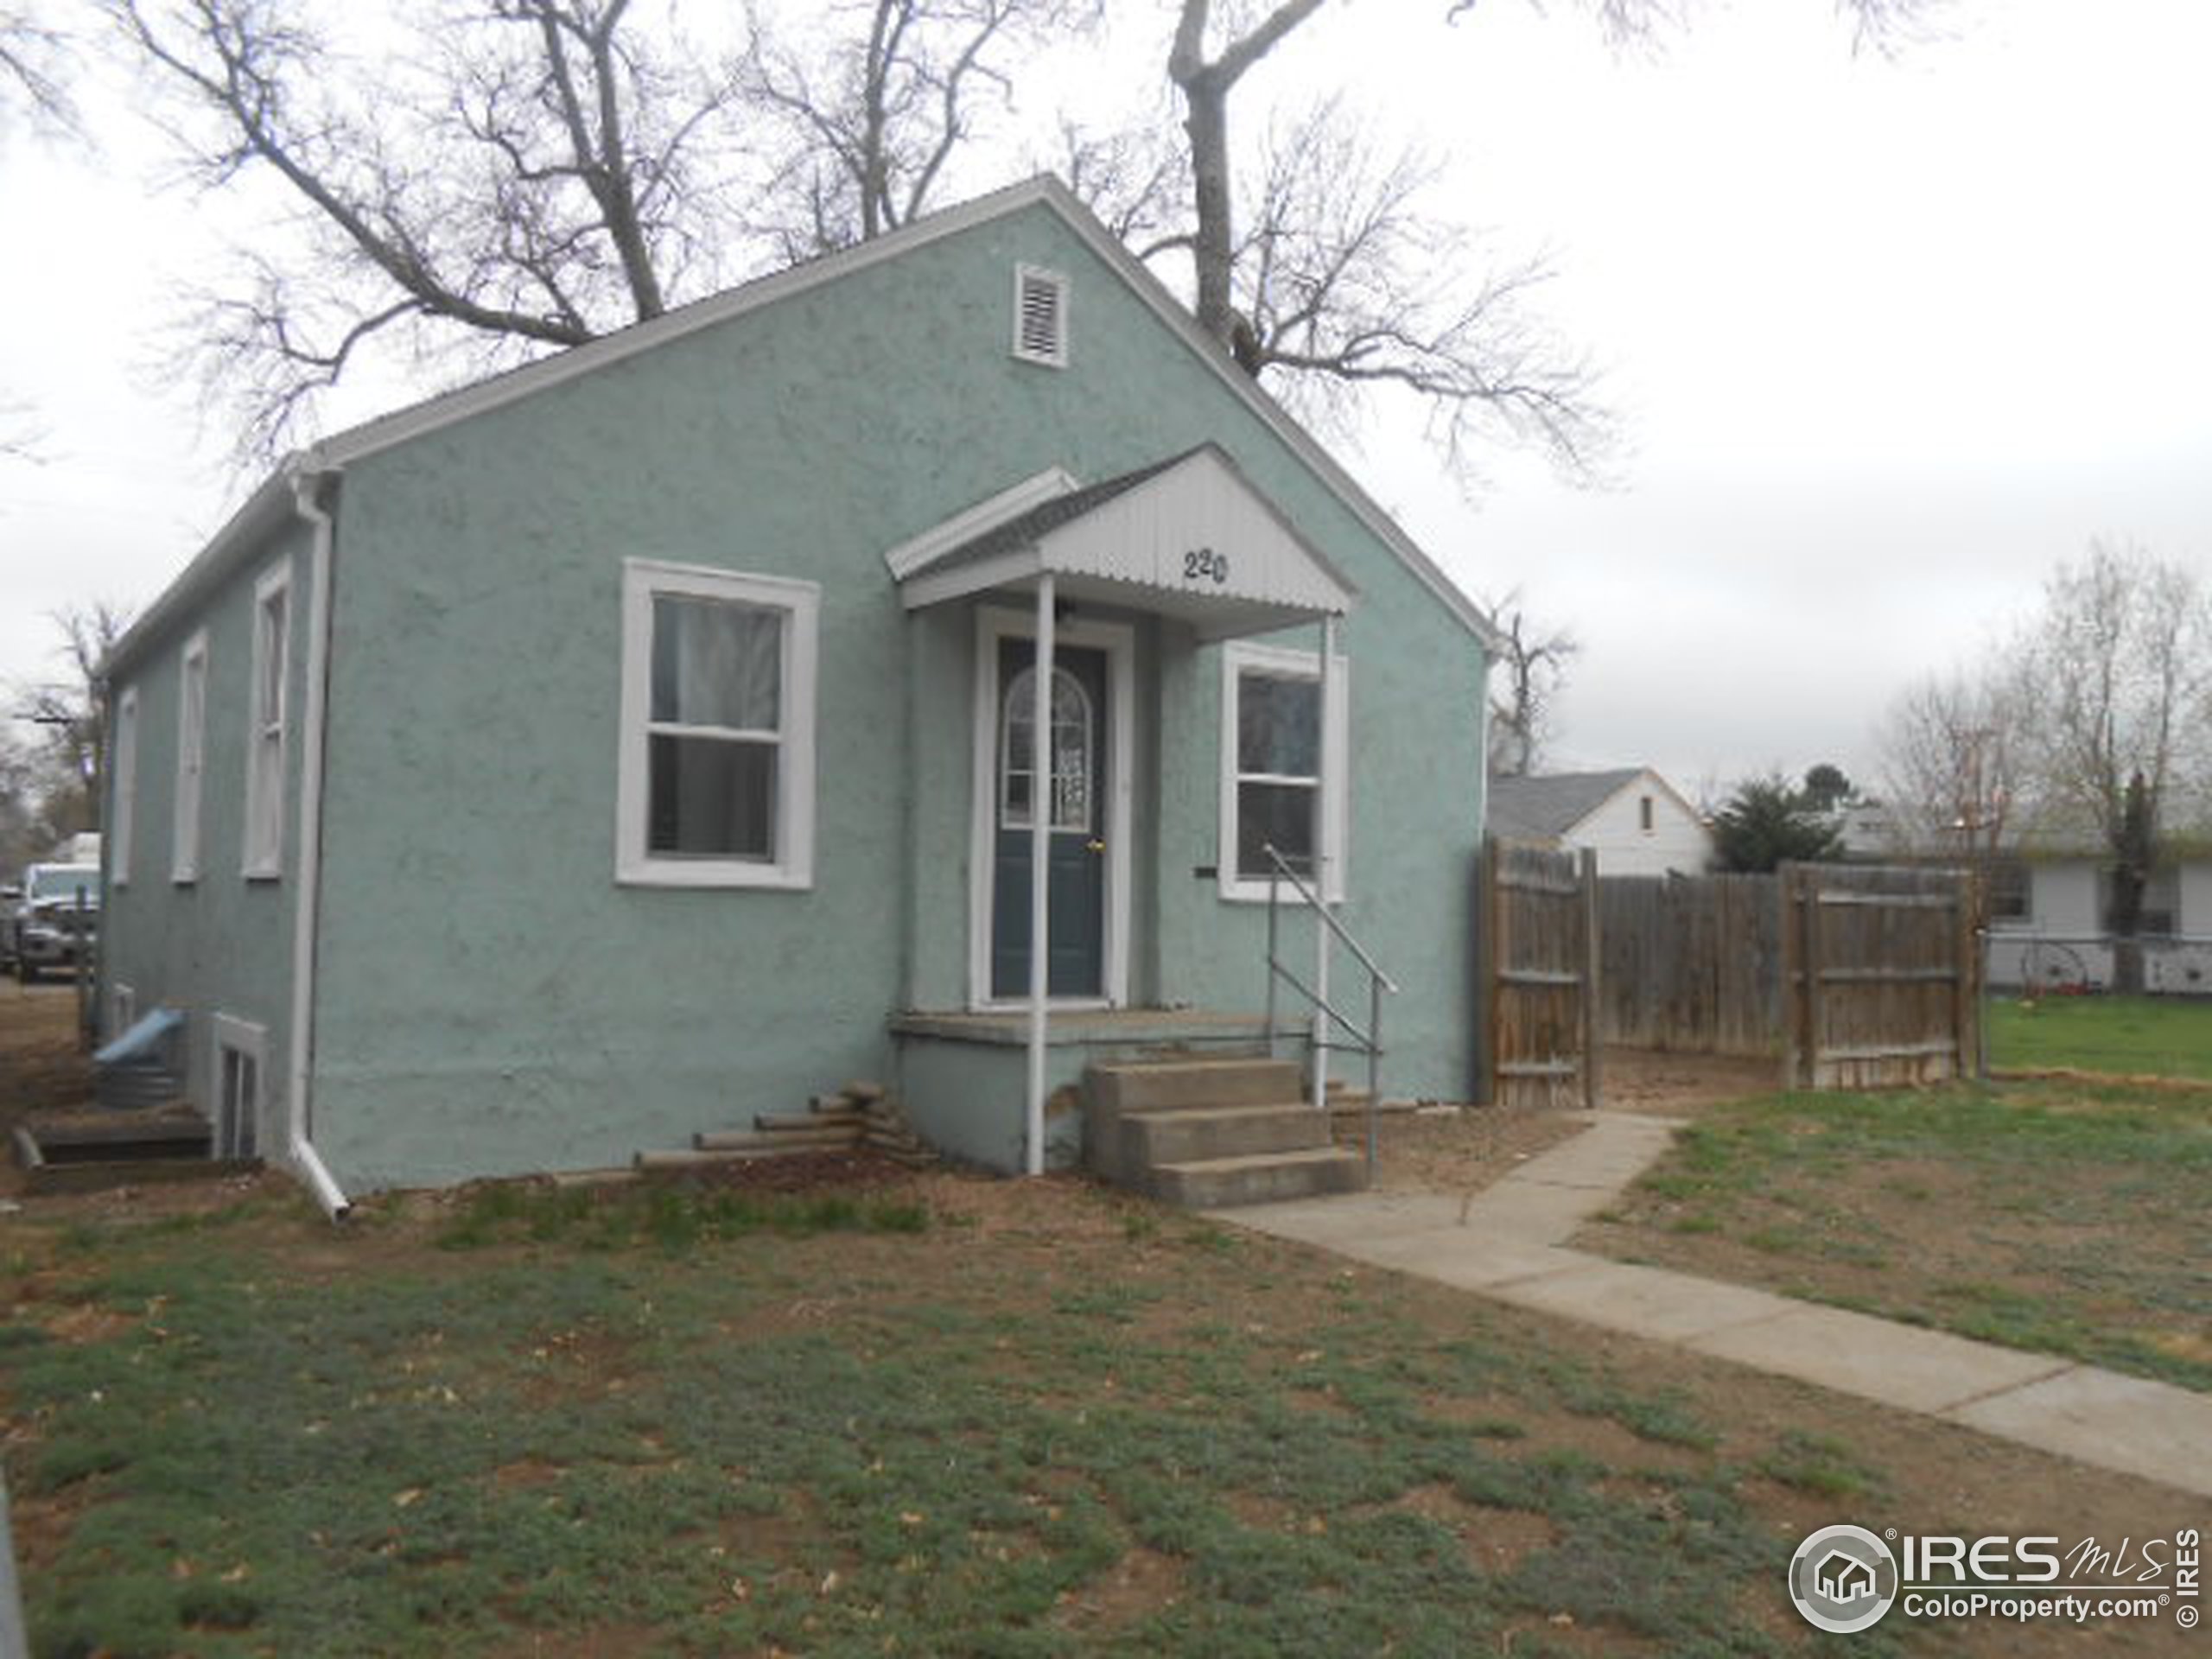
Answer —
308 872
1040 850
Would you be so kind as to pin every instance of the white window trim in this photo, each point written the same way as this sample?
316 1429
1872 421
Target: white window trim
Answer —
1236 656
124 759
191 760
230 1035
260 862
1023 276
801 603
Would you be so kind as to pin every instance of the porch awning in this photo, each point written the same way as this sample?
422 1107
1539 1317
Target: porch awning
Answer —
1188 536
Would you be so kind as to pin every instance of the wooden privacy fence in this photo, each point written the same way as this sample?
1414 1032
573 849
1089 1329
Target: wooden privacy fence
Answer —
1852 976
1691 963
1881 977
1539 931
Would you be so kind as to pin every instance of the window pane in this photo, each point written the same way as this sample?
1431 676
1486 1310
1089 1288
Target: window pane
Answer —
712 797
1278 726
1281 813
717 664
1071 741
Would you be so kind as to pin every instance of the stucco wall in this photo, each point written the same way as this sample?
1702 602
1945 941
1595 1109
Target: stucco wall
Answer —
490 1000
220 944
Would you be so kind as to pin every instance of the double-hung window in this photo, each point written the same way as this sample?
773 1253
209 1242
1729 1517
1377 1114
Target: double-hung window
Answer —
1281 784
717 759
265 730
191 757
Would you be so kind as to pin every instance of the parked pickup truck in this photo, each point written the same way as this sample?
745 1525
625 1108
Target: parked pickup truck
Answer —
47 926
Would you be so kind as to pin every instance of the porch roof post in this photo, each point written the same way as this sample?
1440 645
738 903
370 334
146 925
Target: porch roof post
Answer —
1319 1067
1043 775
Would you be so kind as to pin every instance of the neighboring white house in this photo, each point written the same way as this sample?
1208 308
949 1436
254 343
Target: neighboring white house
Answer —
2050 905
2050 924
1634 820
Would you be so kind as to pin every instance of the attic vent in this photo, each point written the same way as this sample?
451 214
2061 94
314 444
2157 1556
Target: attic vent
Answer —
1041 316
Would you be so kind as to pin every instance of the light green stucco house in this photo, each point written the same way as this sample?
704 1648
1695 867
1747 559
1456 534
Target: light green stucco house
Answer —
645 738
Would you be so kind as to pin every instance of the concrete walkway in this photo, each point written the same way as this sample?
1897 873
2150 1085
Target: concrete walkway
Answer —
1507 1242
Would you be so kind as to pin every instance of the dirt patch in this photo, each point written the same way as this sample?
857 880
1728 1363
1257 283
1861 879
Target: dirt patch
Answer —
1458 1148
42 1067
863 1169
1681 1085
1137 1586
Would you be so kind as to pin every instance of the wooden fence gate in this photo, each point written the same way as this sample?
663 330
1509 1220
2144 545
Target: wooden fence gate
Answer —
1540 934
1691 963
1881 977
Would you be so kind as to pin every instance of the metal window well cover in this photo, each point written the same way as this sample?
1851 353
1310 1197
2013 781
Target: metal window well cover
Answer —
135 1070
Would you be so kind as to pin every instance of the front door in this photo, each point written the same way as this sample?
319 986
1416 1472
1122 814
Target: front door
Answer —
1074 796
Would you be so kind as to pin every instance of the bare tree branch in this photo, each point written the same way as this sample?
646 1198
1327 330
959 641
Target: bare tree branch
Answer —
1535 665
34 62
524 177
72 716
2092 727
876 108
1881 24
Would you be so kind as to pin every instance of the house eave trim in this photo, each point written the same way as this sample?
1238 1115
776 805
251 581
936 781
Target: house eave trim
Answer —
1010 504
243 536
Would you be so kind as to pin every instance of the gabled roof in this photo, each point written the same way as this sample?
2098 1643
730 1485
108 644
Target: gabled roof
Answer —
1188 536
1546 808
244 534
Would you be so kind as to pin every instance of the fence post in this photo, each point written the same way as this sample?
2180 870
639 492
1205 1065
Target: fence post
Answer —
1969 948
15 1642
1590 1043
1487 960
1798 994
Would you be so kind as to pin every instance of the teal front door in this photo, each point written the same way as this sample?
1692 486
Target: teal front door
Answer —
1072 791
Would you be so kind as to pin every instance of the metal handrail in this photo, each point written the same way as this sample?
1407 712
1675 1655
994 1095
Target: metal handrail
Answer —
1283 870
1368 1041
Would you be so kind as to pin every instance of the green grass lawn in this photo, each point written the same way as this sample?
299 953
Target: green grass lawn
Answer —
2139 1036
2062 1217
682 1427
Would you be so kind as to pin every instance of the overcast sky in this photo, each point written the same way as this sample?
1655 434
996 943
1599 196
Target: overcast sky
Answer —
1892 335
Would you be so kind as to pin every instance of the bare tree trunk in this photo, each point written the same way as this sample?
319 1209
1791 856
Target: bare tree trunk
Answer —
1205 87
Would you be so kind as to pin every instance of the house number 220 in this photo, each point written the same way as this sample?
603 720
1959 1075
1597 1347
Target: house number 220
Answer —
1203 563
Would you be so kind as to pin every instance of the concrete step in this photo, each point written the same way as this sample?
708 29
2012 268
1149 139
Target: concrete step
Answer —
1198 1133
1154 1085
1220 1183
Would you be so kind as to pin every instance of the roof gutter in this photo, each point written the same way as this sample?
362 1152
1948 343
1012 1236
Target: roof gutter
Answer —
307 910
